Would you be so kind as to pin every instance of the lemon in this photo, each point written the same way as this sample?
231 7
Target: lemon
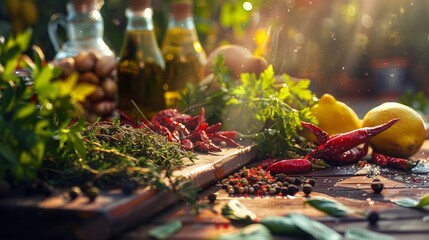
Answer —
333 116
404 138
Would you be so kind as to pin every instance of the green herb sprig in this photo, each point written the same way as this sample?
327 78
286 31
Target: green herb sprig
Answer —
273 108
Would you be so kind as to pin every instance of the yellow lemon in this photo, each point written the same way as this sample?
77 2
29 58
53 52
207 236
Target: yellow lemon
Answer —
404 138
333 116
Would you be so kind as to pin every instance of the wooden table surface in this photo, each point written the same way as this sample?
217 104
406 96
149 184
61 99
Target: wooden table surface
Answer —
349 185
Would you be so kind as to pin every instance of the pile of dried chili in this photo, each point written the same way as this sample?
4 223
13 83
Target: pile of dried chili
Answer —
192 132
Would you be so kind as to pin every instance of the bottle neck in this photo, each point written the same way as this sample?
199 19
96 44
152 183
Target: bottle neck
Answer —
139 20
187 23
84 26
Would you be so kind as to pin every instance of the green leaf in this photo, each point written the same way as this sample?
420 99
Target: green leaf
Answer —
235 210
42 83
251 232
166 230
281 225
314 228
24 111
8 154
365 234
412 203
329 206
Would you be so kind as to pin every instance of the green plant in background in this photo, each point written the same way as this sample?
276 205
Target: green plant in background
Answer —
35 112
417 101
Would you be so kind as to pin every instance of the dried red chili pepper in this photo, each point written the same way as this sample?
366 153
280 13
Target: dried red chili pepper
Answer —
350 156
202 124
340 143
267 162
229 134
218 138
321 136
394 162
214 128
173 125
187 144
159 116
293 166
206 147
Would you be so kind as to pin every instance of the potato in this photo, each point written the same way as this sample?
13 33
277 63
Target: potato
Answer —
235 57
85 61
255 65
89 77
110 87
97 95
104 108
105 66
66 65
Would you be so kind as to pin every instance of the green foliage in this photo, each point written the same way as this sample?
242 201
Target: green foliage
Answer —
417 101
30 129
255 105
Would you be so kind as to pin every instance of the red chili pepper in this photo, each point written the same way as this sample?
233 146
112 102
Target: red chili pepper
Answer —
351 156
162 130
201 120
340 143
214 128
229 134
394 162
173 125
187 144
159 116
321 135
217 138
206 147
291 166
267 162
175 135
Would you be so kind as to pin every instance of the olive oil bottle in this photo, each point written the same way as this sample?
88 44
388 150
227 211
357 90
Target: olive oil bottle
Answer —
141 67
183 54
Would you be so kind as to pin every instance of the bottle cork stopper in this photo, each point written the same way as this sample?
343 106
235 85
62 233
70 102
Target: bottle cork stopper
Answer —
139 5
84 6
180 10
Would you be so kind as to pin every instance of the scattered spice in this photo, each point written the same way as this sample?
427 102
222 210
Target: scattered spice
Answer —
74 192
92 193
260 182
211 197
377 186
373 218
307 188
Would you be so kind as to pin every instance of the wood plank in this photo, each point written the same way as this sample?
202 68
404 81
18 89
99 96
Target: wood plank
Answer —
112 212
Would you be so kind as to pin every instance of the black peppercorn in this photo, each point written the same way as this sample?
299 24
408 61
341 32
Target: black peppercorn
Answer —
284 191
307 188
311 181
74 192
211 197
373 218
128 187
377 187
298 181
92 193
292 189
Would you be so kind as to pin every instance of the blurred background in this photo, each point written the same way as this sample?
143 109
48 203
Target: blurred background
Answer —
354 49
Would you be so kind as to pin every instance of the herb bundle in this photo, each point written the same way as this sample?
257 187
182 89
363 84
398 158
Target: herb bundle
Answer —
268 105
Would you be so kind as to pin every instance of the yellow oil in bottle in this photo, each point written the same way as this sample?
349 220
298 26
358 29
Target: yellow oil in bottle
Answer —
184 60
140 74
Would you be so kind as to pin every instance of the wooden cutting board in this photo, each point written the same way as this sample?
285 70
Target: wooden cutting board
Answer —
112 212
